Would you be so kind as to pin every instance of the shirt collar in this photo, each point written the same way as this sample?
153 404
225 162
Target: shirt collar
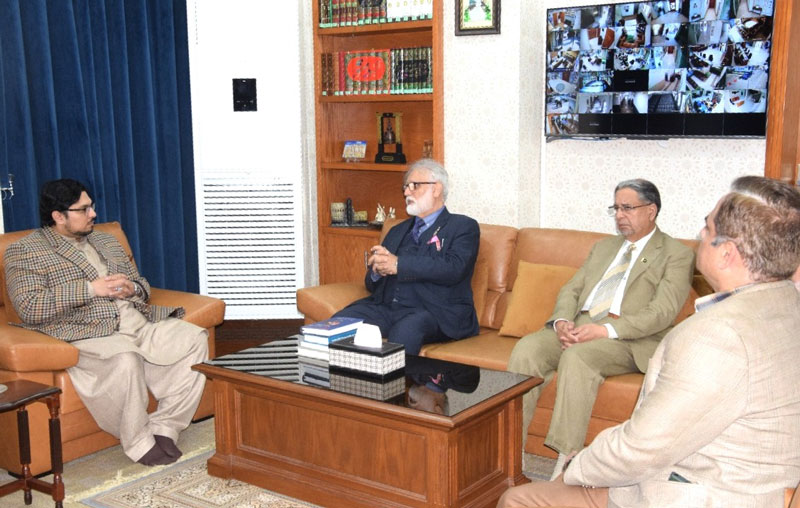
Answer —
430 219
707 301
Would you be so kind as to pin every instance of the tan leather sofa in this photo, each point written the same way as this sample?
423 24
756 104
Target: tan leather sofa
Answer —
26 354
500 252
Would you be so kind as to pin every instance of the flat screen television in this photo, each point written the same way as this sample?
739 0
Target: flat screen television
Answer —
672 68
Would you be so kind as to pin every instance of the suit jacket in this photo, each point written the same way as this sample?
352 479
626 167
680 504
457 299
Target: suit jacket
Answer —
46 278
719 406
657 288
441 279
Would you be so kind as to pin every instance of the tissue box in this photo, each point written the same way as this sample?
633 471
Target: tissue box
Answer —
362 386
383 362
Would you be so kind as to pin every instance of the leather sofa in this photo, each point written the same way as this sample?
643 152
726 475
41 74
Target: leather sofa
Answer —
500 252
26 354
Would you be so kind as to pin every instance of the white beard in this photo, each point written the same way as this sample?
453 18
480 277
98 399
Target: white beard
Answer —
415 206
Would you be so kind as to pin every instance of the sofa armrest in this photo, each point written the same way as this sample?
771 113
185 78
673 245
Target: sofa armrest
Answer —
201 310
321 302
24 350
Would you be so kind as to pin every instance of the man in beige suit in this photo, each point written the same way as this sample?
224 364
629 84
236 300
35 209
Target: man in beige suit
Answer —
79 285
717 423
609 318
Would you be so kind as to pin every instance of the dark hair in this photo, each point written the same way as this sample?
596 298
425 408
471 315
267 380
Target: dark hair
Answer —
57 196
645 189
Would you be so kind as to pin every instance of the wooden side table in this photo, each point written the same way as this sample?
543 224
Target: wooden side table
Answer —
20 393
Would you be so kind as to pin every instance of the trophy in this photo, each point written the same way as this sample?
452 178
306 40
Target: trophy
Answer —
390 137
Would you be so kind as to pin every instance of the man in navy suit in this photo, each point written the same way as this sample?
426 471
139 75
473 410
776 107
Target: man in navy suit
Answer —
420 276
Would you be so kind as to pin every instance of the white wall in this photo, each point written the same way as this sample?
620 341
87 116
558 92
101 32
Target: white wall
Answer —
504 173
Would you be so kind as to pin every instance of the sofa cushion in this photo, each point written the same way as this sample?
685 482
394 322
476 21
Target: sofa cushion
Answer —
487 350
534 297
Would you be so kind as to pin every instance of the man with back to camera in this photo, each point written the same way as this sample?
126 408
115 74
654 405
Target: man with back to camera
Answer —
608 319
420 276
716 423
77 285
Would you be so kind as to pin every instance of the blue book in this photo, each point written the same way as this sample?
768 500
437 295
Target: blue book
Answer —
320 339
331 327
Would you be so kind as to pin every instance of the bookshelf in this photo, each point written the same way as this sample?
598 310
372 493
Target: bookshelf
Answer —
352 117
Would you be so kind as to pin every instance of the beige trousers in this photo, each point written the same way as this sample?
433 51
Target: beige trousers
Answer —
582 368
114 374
553 494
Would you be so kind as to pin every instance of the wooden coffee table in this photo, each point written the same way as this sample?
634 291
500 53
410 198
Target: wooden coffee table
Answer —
337 449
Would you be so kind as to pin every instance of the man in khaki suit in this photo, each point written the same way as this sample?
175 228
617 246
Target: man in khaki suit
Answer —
78 285
717 423
599 328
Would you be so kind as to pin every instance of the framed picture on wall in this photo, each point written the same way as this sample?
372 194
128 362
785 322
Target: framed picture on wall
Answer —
477 17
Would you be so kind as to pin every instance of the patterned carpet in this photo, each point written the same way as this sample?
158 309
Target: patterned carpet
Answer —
187 485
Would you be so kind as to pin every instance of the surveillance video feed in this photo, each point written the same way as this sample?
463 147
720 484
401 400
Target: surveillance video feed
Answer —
656 68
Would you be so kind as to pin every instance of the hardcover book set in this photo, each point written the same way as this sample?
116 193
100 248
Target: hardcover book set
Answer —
377 71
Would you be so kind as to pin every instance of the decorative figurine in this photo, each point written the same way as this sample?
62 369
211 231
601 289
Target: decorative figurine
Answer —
391 212
380 214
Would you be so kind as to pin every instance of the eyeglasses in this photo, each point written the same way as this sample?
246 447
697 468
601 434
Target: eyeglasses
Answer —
83 210
613 209
412 186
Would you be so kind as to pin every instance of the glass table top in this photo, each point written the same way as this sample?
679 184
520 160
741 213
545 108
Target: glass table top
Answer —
425 384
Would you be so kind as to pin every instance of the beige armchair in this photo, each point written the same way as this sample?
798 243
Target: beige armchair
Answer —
26 354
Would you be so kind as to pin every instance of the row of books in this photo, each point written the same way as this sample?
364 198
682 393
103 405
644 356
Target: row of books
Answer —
377 71
334 13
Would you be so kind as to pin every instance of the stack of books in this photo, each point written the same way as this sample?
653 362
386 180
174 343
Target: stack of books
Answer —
318 336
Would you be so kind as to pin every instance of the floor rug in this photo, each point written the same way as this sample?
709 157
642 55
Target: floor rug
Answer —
188 485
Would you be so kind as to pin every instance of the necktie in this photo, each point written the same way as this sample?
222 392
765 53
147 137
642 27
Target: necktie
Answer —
607 288
416 230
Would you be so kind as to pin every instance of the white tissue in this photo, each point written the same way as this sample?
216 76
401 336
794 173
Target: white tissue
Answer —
368 336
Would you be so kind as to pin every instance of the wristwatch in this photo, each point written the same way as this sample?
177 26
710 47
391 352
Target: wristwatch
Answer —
137 289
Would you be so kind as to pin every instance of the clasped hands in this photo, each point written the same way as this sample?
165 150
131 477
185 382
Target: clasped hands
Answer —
114 286
381 261
568 334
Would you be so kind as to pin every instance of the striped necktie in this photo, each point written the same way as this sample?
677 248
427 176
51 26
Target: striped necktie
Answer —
416 230
607 288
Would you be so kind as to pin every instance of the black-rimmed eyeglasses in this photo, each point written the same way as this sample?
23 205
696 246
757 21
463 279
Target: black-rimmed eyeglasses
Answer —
412 186
83 209
613 209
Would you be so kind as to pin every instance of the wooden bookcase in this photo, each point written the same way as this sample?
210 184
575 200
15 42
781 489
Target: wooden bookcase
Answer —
352 117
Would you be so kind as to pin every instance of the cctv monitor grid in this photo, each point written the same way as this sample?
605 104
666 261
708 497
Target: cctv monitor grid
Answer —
663 68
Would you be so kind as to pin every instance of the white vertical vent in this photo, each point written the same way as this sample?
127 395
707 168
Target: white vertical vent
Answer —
250 244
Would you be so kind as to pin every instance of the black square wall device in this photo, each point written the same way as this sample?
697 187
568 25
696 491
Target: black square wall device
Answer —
244 94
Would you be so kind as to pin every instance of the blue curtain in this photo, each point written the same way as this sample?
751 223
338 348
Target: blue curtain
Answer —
98 90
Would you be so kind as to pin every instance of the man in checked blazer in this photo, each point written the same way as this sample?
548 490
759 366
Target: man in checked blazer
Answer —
717 423
78 285
420 276
586 341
